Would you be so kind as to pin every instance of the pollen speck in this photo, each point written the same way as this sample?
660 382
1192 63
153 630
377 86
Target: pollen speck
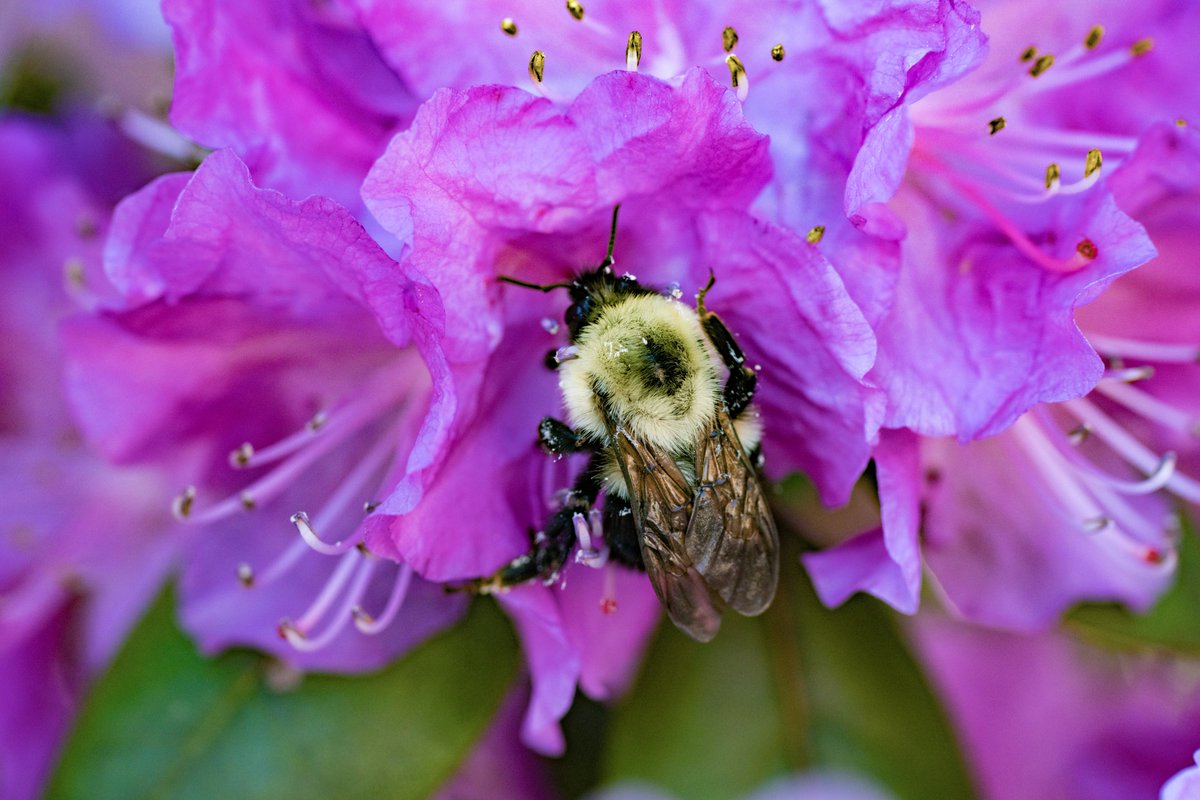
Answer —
1029 53
576 8
729 39
608 605
996 125
777 52
1092 165
1181 122
508 26
815 235
1142 46
1087 248
1093 37
1042 64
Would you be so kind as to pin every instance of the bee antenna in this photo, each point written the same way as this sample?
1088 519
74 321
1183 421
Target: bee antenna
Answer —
712 280
612 241
548 287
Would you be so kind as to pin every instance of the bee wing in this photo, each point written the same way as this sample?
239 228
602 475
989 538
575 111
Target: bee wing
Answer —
661 498
731 537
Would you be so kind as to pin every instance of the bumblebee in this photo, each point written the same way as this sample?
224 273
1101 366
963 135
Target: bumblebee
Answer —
673 450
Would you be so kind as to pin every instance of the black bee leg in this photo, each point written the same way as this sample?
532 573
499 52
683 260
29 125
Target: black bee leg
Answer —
557 438
739 387
620 532
551 546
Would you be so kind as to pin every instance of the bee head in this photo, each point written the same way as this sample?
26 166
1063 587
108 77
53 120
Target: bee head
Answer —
595 289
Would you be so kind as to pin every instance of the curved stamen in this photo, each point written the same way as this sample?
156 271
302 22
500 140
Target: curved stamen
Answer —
1149 407
329 591
1066 446
374 625
1162 352
341 499
1129 448
297 635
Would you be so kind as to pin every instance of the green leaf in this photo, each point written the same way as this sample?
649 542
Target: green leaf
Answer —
802 686
166 723
1170 625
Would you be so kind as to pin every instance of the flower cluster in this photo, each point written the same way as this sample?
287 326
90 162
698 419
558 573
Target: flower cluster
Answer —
953 247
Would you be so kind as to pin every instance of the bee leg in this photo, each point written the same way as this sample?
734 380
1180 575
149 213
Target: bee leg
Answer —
557 438
551 546
739 387
620 532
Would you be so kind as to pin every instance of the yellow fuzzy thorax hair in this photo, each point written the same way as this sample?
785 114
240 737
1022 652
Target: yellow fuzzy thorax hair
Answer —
643 365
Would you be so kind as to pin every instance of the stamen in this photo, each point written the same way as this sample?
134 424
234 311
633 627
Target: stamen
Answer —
777 52
737 72
370 506
1095 524
245 574
317 422
996 125
1093 162
815 234
1029 53
329 592
283 563
344 615
240 457
1150 407
181 506
1092 41
633 51
508 26
537 67
1078 435
1129 448
310 537
1042 64
1130 374
1087 248
1147 351
371 626
729 39
608 602
1142 46
1053 176
576 9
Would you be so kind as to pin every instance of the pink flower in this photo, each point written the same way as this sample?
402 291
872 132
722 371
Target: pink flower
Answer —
493 181
80 548
1075 522
1046 715
247 319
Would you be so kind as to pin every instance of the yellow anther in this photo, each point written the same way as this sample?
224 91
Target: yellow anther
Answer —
1181 122
537 66
73 273
508 26
633 51
1092 41
1053 174
576 8
815 235
1142 46
1029 53
1092 164
1042 64
777 52
996 125
737 73
729 39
